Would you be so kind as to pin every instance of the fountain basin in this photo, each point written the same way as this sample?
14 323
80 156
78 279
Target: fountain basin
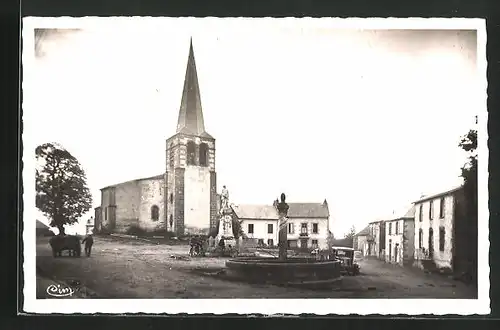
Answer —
293 271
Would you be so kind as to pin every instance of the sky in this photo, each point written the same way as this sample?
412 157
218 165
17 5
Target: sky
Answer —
367 119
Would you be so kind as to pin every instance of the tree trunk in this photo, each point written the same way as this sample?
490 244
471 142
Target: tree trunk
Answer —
61 230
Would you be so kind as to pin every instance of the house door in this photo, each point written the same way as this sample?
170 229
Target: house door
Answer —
431 243
396 254
390 251
303 243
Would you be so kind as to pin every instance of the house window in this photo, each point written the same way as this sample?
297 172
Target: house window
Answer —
441 238
315 228
171 221
421 213
171 198
441 208
106 213
270 242
397 228
314 243
155 213
291 228
303 228
191 153
250 228
260 242
431 210
203 154
420 238
390 228
269 228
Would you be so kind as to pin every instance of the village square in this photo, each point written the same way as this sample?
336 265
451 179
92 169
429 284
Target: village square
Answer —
174 235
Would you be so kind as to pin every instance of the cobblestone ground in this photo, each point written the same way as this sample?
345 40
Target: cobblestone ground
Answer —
121 268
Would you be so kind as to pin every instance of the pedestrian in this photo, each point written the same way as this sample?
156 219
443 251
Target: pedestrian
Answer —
89 241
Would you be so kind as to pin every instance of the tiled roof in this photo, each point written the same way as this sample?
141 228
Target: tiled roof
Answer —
444 193
41 225
410 213
269 212
308 210
364 232
263 212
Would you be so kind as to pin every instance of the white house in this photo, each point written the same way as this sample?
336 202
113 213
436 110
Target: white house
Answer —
435 221
376 239
307 227
399 239
360 241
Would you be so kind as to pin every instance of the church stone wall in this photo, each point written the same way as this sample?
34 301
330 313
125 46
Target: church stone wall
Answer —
127 197
179 200
197 200
170 205
152 194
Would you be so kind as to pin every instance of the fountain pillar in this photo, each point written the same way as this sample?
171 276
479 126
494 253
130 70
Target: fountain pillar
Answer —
283 242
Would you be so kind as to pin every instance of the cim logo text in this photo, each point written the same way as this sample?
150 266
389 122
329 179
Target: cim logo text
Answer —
59 291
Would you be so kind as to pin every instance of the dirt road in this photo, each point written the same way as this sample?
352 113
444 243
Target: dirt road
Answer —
135 269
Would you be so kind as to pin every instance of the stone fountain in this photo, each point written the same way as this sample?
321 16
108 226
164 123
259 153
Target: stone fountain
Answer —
283 270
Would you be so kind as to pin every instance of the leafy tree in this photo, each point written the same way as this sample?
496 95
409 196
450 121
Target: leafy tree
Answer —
469 173
350 234
61 186
237 228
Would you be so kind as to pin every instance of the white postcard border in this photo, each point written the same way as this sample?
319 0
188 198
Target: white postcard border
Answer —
256 306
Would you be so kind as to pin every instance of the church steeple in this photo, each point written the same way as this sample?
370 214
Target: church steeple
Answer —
190 120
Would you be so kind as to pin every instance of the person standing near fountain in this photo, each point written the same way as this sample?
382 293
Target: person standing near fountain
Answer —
283 212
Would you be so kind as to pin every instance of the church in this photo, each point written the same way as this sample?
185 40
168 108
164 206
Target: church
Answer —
184 200
161 203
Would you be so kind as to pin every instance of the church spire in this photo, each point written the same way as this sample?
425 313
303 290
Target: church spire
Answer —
190 113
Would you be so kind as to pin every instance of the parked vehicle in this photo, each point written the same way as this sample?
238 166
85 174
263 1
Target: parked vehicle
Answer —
358 255
346 257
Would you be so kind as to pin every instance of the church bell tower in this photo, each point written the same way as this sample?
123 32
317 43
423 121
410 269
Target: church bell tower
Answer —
190 178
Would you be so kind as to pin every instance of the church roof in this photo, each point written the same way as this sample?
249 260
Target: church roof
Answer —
269 212
156 177
190 120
